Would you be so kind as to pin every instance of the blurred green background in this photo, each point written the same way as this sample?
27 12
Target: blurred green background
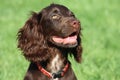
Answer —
100 20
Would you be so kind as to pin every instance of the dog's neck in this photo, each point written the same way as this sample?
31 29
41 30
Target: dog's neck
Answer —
57 61
56 64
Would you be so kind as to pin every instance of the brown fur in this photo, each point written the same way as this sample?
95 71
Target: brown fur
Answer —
34 39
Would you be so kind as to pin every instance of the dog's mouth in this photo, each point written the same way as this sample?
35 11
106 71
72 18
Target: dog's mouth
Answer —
69 40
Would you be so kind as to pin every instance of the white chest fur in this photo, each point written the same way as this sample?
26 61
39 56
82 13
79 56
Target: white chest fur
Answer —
56 64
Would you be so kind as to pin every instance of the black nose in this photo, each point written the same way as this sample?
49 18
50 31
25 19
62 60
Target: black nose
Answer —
75 23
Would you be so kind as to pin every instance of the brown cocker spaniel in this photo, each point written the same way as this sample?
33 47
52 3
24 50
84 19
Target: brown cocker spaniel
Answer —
46 40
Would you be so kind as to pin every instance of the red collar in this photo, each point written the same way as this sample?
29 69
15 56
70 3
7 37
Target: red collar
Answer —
54 75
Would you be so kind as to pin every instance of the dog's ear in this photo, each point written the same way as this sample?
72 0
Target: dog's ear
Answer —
31 39
77 51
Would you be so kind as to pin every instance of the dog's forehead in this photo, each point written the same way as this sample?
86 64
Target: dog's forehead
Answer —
58 7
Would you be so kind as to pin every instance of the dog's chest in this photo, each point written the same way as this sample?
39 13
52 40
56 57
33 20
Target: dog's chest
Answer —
56 64
55 79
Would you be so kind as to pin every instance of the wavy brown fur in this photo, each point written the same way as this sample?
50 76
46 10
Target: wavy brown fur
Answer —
34 39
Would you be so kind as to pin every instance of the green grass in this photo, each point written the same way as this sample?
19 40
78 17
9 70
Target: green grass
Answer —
100 20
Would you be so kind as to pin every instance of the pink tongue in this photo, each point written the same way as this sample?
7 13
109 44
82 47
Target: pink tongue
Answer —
68 40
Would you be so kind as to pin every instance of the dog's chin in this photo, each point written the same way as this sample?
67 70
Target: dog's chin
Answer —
65 45
67 42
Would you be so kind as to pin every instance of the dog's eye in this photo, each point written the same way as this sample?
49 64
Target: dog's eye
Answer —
71 14
55 17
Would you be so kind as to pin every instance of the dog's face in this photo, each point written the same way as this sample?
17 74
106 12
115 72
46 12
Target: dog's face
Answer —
55 24
60 26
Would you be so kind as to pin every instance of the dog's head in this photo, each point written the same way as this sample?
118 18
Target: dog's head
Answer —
60 26
55 24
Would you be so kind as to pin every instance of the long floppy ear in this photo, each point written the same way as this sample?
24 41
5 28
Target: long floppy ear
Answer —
31 39
77 51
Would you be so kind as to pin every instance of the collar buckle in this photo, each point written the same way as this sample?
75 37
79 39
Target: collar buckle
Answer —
58 74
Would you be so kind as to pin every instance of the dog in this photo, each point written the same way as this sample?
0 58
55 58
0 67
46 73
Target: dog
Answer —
47 39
